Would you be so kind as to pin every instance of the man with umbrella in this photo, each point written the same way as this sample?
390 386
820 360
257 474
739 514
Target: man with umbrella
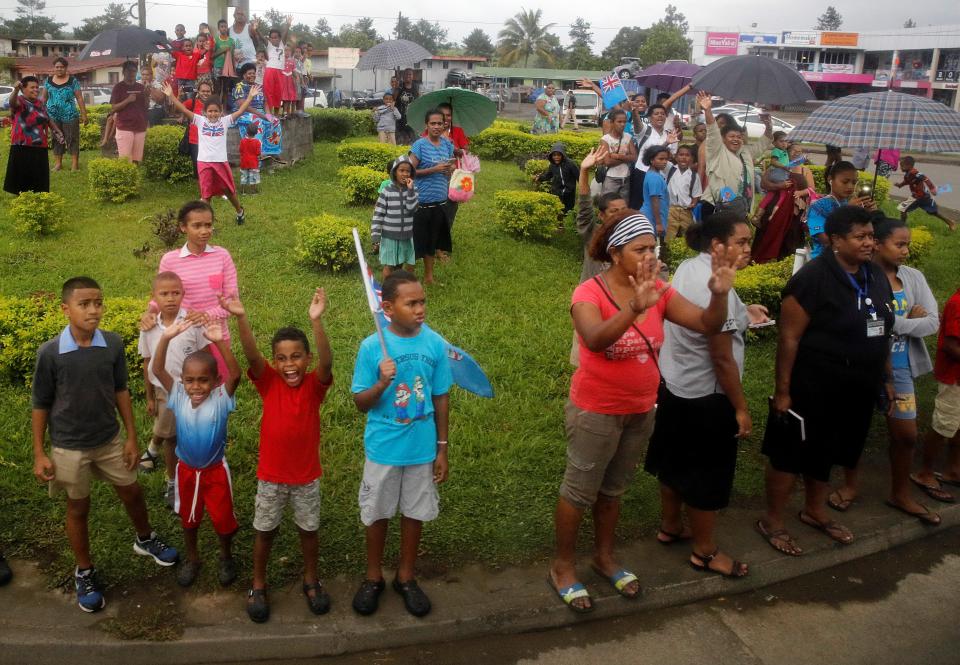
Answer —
405 94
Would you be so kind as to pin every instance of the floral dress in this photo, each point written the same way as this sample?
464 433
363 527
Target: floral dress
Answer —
551 123
269 129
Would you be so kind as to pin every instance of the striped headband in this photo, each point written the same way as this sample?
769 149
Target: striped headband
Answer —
629 228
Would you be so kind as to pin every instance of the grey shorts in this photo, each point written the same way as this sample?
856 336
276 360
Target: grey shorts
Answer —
271 499
409 489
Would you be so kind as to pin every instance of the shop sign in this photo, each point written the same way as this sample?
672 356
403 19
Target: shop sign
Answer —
839 39
800 38
722 43
753 38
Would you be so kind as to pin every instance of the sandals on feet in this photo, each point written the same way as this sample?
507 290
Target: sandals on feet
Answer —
702 565
414 599
319 602
926 516
834 530
367 598
620 580
572 593
837 502
148 462
946 481
933 491
778 539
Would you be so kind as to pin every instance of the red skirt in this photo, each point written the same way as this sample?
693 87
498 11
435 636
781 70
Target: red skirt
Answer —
273 87
289 89
216 178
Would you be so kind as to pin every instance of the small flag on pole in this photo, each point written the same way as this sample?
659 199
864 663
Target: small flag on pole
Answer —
611 88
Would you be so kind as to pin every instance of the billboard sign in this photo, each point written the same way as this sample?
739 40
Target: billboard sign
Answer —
800 37
343 58
722 43
839 39
754 38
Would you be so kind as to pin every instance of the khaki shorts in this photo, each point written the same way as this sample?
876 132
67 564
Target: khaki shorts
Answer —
678 220
73 468
387 137
603 453
165 424
410 489
272 498
946 411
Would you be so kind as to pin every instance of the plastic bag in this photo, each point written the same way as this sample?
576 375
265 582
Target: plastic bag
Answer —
470 163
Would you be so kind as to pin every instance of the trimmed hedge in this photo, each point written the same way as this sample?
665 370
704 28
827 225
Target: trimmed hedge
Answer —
763 283
505 144
376 156
360 184
161 155
534 168
26 323
91 133
338 124
921 243
880 194
326 241
528 214
114 180
511 124
38 213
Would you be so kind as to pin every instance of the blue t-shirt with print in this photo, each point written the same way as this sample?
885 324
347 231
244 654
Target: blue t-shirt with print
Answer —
432 188
201 431
654 184
62 99
400 427
817 221
899 356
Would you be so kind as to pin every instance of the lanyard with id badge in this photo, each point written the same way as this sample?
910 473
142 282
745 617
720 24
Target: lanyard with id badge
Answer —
875 326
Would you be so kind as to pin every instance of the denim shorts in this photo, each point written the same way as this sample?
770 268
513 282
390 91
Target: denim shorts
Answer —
905 399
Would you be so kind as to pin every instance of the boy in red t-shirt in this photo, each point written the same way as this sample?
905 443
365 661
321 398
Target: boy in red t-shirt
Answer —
250 161
185 71
289 469
946 411
922 191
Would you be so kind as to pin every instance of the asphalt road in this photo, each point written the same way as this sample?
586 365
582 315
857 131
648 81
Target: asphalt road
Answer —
897 607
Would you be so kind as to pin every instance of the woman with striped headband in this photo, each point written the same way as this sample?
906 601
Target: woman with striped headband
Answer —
618 316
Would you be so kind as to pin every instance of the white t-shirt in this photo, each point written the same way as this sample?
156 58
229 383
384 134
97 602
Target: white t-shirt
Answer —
678 185
245 43
212 138
275 56
685 357
621 145
179 348
655 138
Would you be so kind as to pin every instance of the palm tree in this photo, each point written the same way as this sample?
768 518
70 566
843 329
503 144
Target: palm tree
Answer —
523 36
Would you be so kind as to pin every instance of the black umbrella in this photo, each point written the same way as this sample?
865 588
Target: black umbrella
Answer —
393 54
753 79
128 42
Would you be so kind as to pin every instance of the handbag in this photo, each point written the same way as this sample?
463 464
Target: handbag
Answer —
462 185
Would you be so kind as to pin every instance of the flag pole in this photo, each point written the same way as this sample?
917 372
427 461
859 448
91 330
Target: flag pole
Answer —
368 291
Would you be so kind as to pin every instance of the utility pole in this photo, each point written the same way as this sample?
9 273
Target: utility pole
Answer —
142 13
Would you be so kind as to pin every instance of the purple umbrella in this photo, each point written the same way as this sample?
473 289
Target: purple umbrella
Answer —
667 76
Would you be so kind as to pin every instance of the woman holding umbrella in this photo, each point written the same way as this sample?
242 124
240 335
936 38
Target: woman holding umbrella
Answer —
61 93
27 167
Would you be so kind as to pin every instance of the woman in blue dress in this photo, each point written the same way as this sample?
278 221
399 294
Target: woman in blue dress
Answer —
269 129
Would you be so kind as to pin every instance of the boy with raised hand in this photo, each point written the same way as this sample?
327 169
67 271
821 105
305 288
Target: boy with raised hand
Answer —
201 401
922 191
288 470
405 397
79 385
168 295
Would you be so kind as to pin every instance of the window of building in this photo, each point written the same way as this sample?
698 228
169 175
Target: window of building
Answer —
469 65
429 64
802 59
114 77
46 51
838 57
446 65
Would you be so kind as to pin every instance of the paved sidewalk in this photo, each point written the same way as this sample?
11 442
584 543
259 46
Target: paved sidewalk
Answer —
44 626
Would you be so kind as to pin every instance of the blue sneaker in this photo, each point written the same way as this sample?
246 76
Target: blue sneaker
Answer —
155 548
89 596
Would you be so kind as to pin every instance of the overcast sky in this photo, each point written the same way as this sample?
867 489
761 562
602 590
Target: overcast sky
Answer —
490 14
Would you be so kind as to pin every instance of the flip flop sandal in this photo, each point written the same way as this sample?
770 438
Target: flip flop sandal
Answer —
946 481
779 535
674 538
619 581
737 570
148 462
319 602
414 599
934 492
842 505
570 594
833 530
926 516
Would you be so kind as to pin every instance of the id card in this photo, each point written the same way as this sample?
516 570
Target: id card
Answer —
875 328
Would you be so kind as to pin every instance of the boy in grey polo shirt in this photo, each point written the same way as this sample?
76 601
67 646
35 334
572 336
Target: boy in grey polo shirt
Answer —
79 384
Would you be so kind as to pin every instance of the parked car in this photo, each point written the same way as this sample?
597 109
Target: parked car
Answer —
367 99
314 98
589 107
5 92
755 127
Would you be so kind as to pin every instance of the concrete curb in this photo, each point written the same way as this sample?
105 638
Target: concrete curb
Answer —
470 604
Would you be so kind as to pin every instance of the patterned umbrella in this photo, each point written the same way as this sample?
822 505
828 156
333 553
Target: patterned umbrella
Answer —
393 54
128 42
753 79
883 120
472 112
667 76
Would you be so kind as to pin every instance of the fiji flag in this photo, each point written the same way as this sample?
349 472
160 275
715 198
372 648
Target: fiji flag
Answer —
612 90
466 371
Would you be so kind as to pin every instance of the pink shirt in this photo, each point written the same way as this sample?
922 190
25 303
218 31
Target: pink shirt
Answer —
204 277
623 378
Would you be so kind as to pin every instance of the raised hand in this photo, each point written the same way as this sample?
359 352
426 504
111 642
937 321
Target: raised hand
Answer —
167 90
254 91
172 331
644 283
704 100
232 305
213 331
318 305
596 155
724 264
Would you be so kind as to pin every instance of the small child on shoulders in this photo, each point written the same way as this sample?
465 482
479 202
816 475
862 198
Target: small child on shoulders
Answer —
391 228
288 469
250 161
201 404
404 393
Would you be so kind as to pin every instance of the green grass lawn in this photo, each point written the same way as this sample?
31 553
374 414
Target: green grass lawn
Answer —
505 301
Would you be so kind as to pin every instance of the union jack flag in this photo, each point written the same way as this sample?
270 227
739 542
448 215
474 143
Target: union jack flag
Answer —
610 83
213 130
611 89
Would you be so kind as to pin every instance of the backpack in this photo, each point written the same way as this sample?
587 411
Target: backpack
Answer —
693 180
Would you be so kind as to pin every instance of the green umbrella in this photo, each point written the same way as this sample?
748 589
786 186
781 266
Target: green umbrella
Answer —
472 111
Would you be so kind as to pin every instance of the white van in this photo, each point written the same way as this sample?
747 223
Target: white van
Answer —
589 107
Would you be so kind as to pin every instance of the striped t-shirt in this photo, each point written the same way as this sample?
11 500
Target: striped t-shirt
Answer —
432 188
204 276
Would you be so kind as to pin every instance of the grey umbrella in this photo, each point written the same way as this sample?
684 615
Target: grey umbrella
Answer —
753 79
392 54
128 42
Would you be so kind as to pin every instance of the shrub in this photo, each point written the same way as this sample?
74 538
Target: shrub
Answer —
880 194
360 184
528 214
762 283
578 145
91 133
505 144
534 168
338 124
677 252
511 124
38 213
165 227
377 156
26 323
114 180
326 241
161 157
921 242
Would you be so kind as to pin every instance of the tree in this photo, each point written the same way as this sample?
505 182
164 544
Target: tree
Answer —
580 34
361 35
626 44
909 23
429 35
30 21
403 28
115 16
322 34
830 19
675 19
523 36
664 42
478 43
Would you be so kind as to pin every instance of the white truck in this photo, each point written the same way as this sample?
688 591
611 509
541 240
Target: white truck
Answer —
589 107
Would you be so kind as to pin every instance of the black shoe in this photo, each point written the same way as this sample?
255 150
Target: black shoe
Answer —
414 599
227 572
187 573
367 598
319 602
258 609
5 573
241 217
